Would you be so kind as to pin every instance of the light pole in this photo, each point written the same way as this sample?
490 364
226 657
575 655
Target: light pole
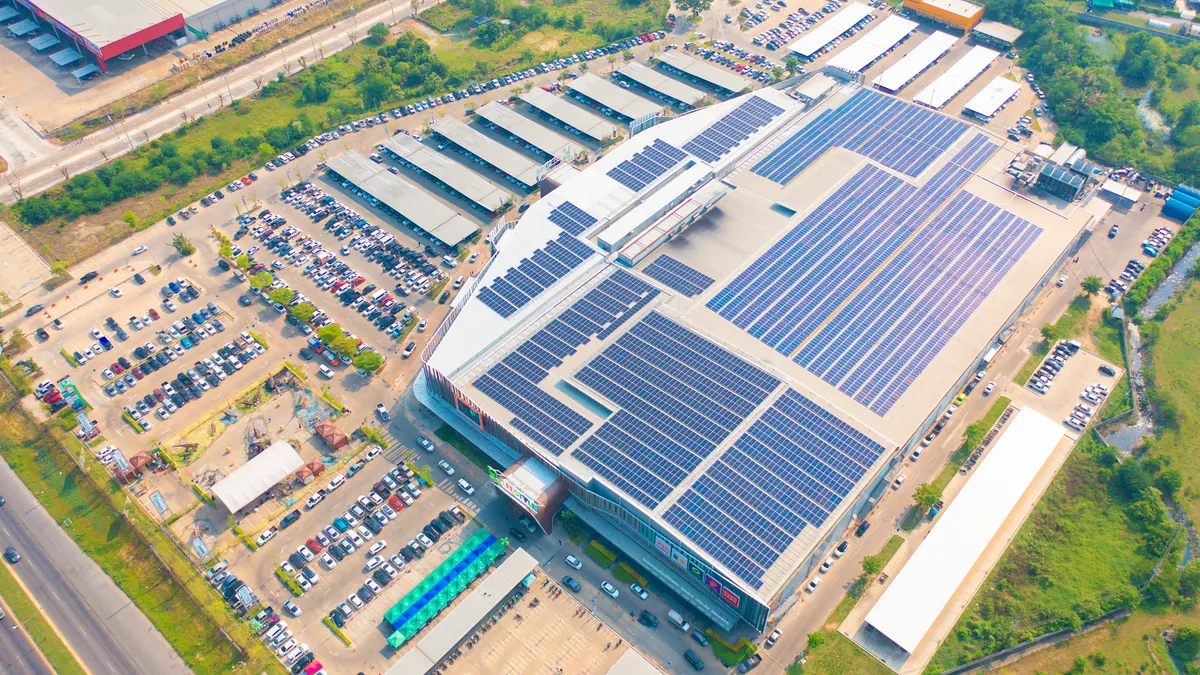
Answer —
228 89
314 46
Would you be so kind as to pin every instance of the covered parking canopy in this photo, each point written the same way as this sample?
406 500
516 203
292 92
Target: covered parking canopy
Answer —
23 27
65 57
44 42
255 477
7 13
83 72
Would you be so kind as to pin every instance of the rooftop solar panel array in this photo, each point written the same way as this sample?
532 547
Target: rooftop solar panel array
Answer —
876 346
789 470
680 396
513 382
572 218
649 163
516 287
897 134
804 277
677 276
731 130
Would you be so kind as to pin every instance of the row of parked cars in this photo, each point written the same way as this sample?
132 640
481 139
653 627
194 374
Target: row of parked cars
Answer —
190 385
746 70
273 630
1043 378
184 334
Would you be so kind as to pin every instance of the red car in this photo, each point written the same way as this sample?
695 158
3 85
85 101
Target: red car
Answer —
314 546
154 314
116 368
159 395
138 374
395 503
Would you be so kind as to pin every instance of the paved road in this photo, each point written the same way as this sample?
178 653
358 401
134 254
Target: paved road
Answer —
45 169
108 632
17 654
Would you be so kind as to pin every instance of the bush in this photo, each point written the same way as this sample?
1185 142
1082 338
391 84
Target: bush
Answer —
289 582
337 631
623 572
245 538
204 496
603 557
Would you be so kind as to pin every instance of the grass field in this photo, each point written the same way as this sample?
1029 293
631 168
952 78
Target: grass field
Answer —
114 543
1133 646
1069 325
1176 360
25 611
1076 554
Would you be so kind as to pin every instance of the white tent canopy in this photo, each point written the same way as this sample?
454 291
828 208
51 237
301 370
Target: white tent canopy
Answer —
923 588
255 477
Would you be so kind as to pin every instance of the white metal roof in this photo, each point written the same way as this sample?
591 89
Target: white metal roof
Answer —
249 481
633 663
994 95
466 615
613 96
915 62
528 131
815 87
1063 153
924 586
705 71
103 22
1121 190
957 77
590 124
999 31
496 154
653 79
825 31
468 183
426 212
867 49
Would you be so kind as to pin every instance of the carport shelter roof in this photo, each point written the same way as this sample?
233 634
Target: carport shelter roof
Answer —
255 477
331 434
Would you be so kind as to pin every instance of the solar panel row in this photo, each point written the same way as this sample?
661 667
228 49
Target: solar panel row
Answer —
894 133
571 218
728 132
792 468
792 289
883 339
680 396
513 382
677 276
532 275
646 165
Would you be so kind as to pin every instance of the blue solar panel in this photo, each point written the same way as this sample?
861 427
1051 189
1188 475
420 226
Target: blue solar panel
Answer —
679 396
677 276
882 339
797 285
533 275
571 218
726 133
897 134
792 468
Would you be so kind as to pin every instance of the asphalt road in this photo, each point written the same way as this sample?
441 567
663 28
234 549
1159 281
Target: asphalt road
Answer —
99 621
17 653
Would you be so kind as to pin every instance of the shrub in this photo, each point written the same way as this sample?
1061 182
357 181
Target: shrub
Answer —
245 538
290 583
204 496
337 631
603 557
629 575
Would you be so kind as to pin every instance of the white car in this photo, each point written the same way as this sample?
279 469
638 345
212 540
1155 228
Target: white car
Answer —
328 561
425 541
370 583
898 482
812 585
989 388
304 585
573 562
365 533
374 452
116 293
140 250
639 591
305 553
377 547
374 562
287 567
610 590
355 600
445 467
465 486
325 370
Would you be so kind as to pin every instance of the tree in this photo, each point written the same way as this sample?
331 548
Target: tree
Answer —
261 280
344 346
243 262
1049 332
378 33
226 251
328 334
304 312
282 295
814 640
694 6
872 565
36 211
1092 285
374 90
927 495
130 219
183 246
1186 645
368 361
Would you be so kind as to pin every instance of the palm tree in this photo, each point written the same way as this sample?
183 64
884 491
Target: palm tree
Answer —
1091 285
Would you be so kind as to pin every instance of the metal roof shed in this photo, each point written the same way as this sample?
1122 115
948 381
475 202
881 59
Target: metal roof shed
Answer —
249 481
957 77
462 180
534 135
591 125
655 81
908 68
924 586
494 154
620 100
704 71
871 47
988 101
826 31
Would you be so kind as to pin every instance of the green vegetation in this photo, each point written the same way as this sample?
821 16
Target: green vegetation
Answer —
24 610
337 631
479 458
368 361
603 20
598 552
140 558
241 534
289 582
576 531
1158 270
728 653
1089 547
1068 326
624 572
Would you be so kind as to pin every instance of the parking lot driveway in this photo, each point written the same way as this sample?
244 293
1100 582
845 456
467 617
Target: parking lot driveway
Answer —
1081 370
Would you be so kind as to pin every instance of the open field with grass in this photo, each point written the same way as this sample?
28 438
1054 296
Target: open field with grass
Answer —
1132 646
142 561
25 611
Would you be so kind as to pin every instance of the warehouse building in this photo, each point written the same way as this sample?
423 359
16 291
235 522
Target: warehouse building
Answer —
997 34
102 29
715 345
958 14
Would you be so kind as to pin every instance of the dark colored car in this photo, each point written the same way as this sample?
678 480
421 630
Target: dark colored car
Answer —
33 310
88 277
572 584
296 560
381 577
11 555
516 534
289 519
862 528
647 619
